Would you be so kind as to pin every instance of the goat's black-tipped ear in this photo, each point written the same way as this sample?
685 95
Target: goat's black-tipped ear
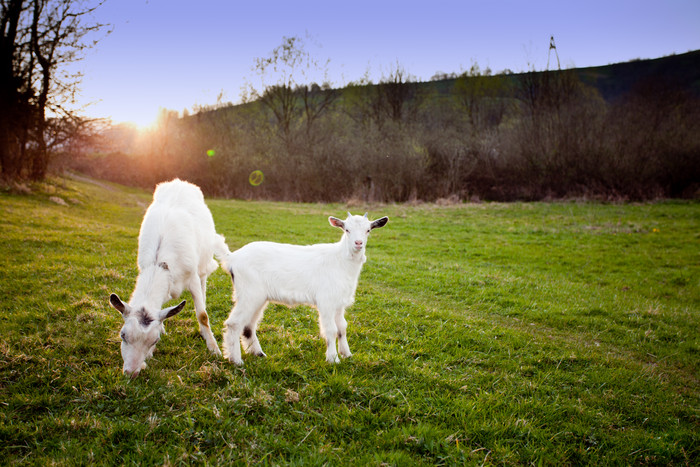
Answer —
381 222
172 311
120 306
335 222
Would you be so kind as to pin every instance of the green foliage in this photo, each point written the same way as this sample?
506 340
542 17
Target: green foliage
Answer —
491 333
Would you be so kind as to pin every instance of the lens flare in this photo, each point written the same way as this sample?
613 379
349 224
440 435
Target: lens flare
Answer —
256 177
211 153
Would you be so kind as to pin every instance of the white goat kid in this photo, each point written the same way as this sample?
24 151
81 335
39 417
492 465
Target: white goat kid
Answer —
323 276
177 243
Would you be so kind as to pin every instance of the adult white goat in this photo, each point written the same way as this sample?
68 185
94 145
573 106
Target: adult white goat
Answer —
324 276
177 243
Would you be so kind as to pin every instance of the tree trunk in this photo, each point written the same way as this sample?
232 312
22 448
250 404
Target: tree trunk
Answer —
9 89
40 159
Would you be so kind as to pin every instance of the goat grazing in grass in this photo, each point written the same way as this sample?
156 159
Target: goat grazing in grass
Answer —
324 276
177 243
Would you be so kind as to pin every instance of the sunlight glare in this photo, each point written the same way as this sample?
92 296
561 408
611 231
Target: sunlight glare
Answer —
144 122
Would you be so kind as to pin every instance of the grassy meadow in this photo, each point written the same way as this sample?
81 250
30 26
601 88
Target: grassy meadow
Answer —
543 333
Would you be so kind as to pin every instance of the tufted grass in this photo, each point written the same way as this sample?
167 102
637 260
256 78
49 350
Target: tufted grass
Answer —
562 333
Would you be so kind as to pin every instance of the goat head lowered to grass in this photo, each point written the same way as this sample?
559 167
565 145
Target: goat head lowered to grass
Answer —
324 276
177 243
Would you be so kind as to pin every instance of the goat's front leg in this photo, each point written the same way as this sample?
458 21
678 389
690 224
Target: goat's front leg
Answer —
342 325
198 289
329 331
232 336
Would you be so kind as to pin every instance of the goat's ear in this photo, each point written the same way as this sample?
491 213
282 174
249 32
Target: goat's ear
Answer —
335 222
380 222
171 311
120 306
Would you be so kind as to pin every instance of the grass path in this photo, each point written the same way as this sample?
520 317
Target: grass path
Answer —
563 333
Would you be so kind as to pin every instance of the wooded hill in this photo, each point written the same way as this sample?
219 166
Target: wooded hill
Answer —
622 131
616 80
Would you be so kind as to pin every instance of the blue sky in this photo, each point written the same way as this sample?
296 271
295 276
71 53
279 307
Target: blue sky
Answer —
179 54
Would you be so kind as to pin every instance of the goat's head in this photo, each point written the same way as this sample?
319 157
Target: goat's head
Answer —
357 230
140 333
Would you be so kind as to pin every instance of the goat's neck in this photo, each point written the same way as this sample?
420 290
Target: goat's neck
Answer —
346 252
152 288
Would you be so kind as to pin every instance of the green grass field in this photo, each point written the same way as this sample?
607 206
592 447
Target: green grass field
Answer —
564 333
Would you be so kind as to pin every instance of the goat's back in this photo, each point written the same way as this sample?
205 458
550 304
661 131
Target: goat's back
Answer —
178 229
181 194
294 274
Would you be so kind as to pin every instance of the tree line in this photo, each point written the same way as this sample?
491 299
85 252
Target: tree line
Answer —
531 136
476 135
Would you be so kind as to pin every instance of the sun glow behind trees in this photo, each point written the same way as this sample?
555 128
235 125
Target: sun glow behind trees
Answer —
143 122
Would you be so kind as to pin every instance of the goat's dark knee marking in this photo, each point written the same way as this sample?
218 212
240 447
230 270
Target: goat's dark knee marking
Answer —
340 335
203 320
247 332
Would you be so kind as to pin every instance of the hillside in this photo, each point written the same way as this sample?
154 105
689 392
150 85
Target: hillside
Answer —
612 81
615 80
528 136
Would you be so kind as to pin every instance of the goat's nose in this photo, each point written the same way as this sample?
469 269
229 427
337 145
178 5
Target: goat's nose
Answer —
358 242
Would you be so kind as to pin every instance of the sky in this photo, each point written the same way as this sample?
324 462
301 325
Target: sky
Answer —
179 55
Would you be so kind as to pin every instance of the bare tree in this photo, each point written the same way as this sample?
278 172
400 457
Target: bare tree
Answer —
12 100
286 90
281 100
316 100
481 96
395 98
398 95
39 37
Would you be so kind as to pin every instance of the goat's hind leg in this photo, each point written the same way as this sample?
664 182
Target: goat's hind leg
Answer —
241 316
199 292
249 339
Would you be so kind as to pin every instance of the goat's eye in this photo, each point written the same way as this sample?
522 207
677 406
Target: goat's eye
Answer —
123 336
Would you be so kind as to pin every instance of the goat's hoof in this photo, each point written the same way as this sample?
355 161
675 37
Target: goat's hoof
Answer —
236 362
333 359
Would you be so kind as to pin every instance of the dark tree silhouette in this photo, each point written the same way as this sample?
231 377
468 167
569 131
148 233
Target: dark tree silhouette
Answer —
37 39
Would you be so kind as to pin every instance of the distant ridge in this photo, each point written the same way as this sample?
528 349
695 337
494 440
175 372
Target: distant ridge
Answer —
613 81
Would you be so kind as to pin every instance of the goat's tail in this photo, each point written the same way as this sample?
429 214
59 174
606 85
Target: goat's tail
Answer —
222 253
226 264
221 250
